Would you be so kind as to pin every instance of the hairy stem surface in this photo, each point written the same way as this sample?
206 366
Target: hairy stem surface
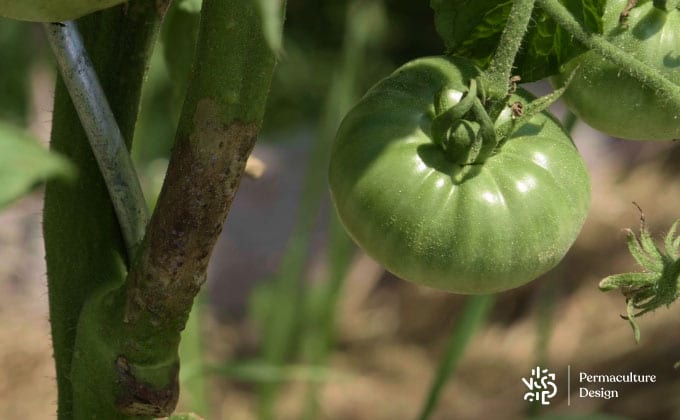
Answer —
84 248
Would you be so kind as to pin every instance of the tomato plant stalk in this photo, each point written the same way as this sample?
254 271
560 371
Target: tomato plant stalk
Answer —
117 323
84 247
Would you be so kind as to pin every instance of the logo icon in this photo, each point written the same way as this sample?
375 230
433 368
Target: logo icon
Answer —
541 385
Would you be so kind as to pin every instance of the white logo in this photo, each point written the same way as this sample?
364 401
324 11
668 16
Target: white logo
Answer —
541 386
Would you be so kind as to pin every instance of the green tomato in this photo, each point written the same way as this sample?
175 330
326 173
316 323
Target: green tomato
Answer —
612 101
52 10
470 229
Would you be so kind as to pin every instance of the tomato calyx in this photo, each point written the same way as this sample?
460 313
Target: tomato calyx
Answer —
465 131
462 127
659 284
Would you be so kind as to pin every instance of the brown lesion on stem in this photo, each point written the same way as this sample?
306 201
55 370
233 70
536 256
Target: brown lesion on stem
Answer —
204 173
626 11
139 398
162 7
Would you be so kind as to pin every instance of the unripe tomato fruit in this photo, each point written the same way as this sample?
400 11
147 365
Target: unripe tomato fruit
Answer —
608 98
501 225
52 10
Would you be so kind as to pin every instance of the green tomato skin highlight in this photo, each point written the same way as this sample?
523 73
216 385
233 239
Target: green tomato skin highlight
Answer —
610 100
52 10
503 224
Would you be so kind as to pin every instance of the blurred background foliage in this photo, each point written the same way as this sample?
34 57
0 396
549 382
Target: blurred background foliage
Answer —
296 323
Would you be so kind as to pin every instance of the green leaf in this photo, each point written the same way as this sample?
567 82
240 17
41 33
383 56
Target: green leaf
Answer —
472 28
24 163
271 12
671 242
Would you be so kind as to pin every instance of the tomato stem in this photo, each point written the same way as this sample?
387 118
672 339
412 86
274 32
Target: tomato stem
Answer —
644 73
497 76
218 127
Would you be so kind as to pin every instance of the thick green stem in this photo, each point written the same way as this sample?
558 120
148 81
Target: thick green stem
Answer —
497 77
83 244
474 314
218 127
647 75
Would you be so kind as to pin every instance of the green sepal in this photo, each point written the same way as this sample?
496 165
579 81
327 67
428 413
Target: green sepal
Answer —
656 286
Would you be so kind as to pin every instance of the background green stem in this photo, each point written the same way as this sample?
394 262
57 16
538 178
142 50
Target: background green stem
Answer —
474 313
194 382
323 299
652 78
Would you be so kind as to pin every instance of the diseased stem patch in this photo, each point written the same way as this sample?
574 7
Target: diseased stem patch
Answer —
203 176
143 399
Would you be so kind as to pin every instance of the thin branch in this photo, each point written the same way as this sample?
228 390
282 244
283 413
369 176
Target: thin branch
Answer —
102 131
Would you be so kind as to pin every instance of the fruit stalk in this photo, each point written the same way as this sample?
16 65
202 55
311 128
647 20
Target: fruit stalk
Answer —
497 75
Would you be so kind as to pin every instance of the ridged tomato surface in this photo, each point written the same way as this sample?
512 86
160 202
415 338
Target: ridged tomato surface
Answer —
481 229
